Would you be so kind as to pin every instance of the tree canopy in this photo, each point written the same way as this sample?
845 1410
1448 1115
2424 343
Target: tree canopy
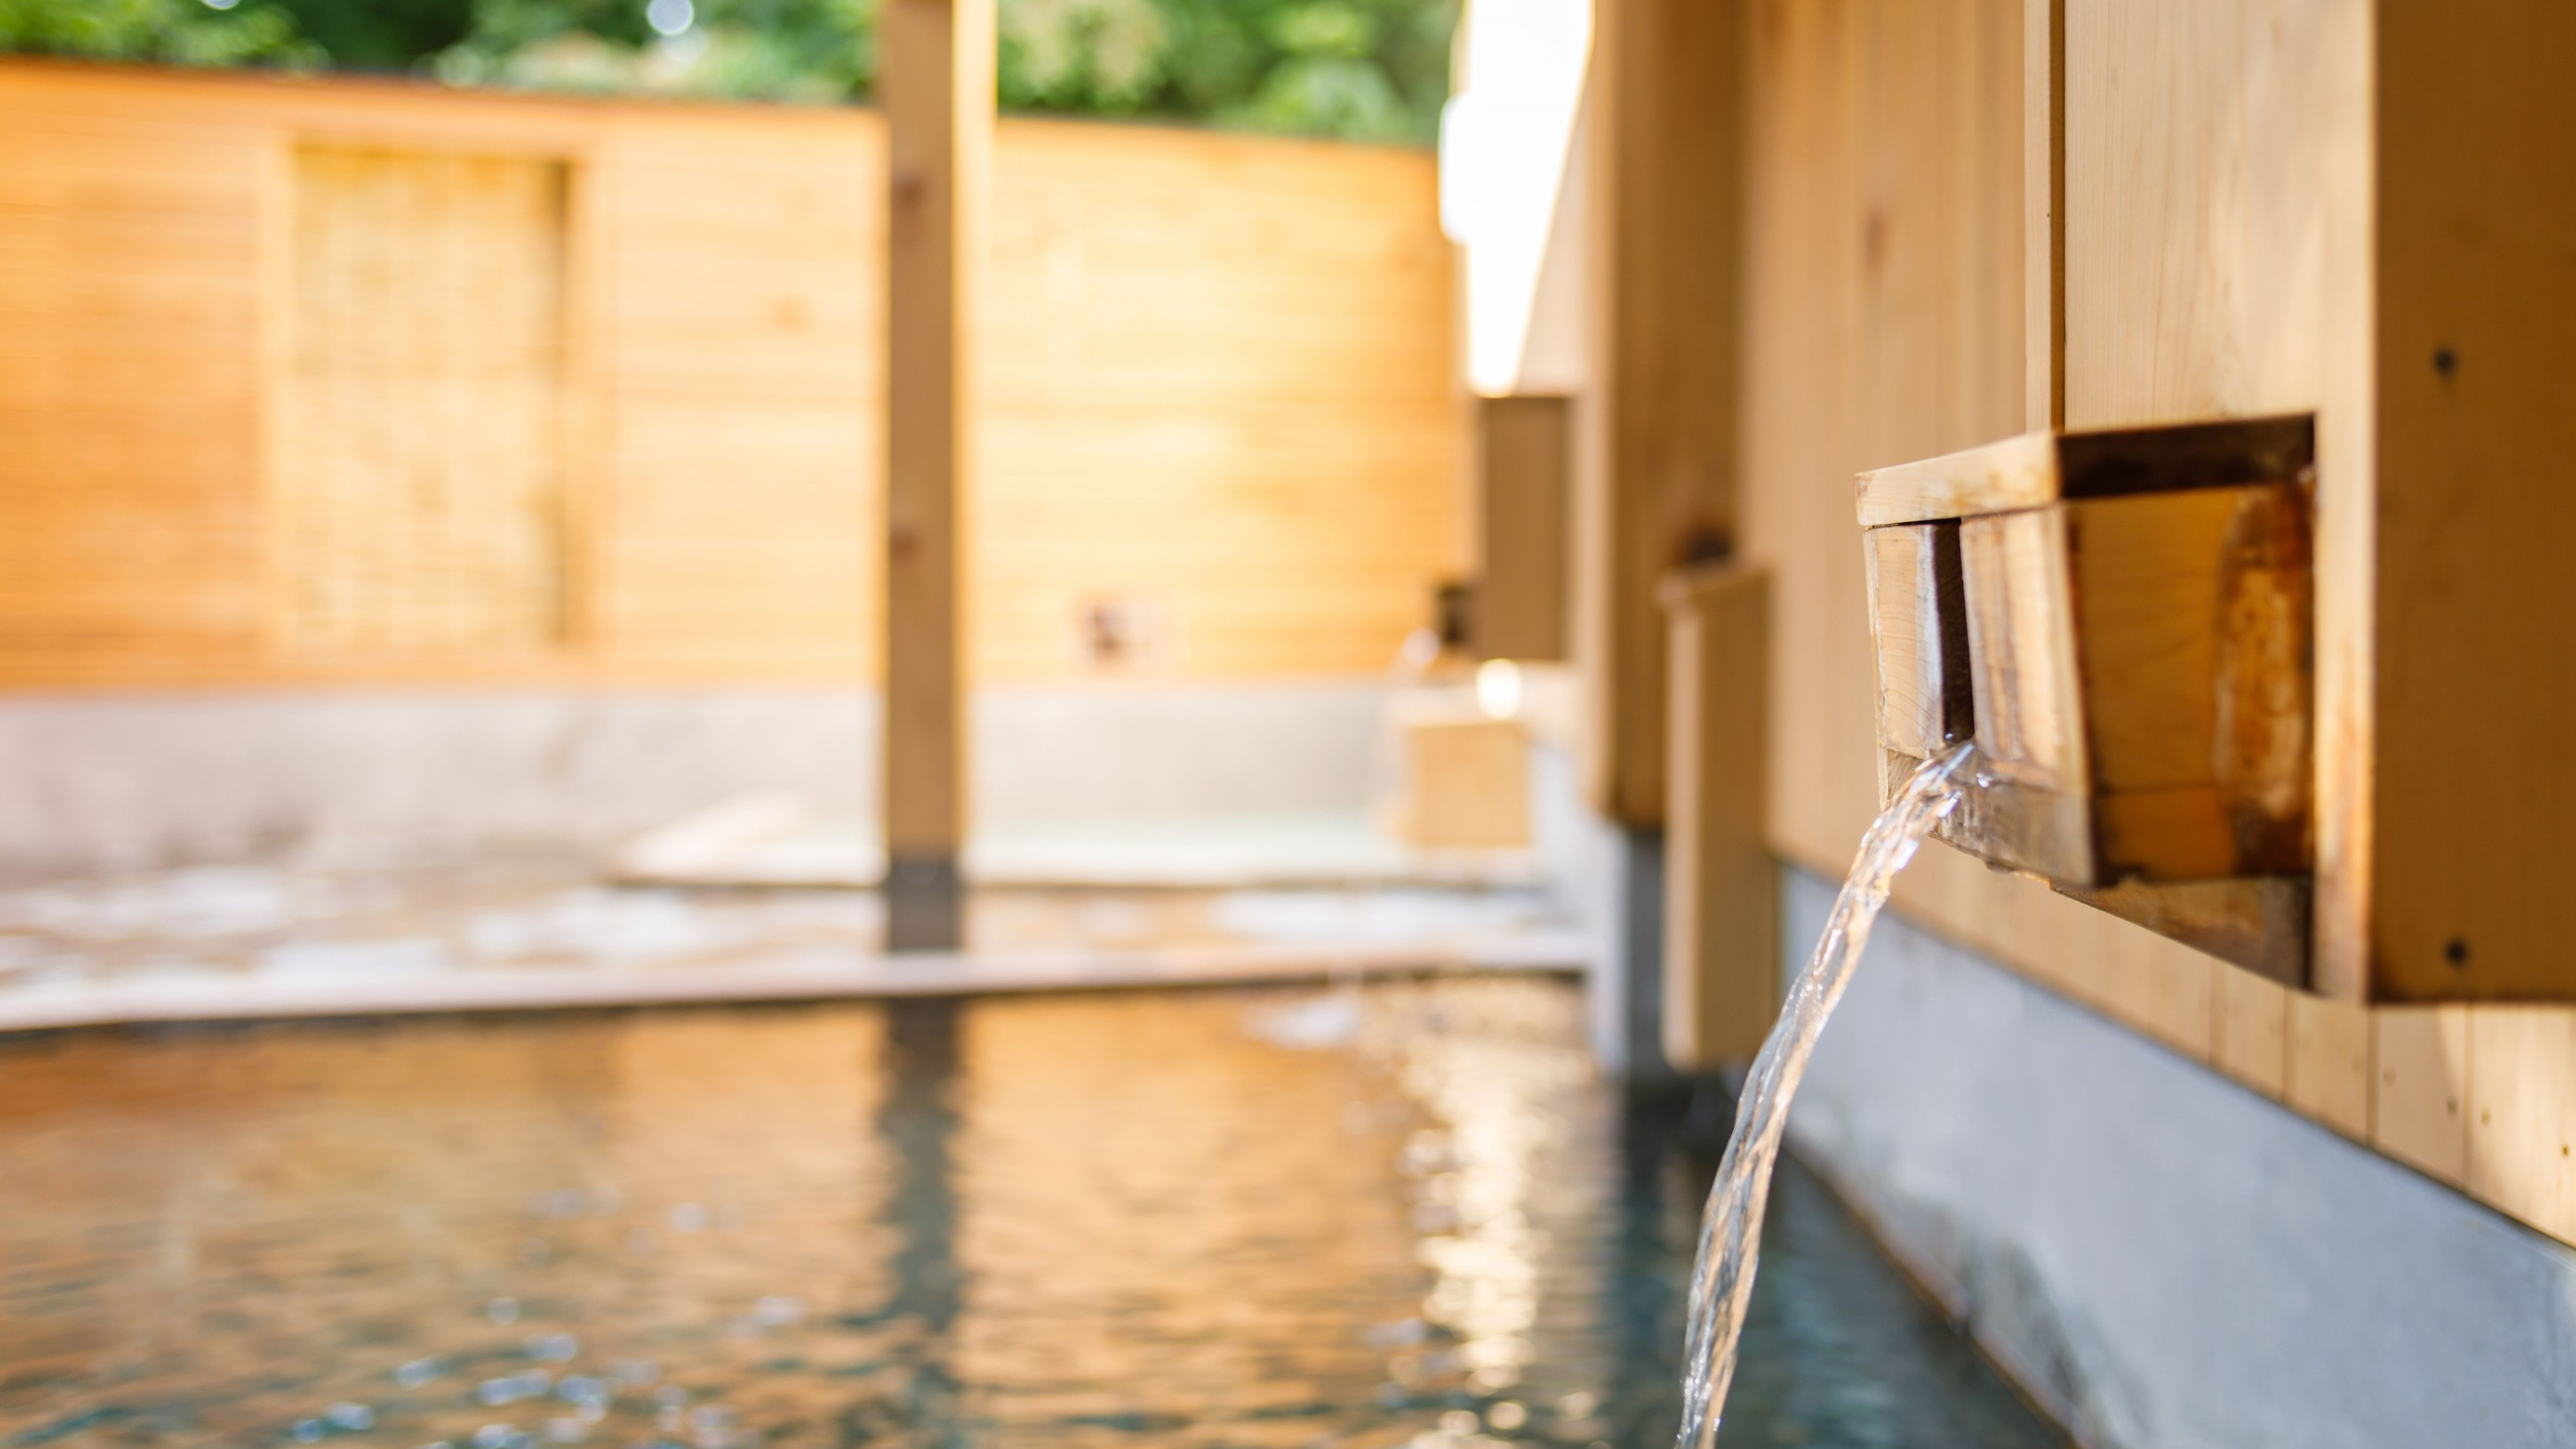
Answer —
1358 69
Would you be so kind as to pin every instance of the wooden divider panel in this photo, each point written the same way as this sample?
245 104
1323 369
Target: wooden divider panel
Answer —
419 501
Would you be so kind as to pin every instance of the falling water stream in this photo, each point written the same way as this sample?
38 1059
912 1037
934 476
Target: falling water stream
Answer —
1730 1233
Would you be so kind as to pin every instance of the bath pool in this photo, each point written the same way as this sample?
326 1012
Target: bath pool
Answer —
1404 1213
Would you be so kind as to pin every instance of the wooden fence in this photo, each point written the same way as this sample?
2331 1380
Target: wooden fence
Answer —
340 381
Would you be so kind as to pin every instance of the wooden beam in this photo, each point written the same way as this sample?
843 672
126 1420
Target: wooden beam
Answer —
1721 887
1524 452
1657 432
2036 469
2473 783
936 83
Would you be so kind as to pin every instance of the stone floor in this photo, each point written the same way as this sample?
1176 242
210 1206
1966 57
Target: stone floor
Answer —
774 839
263 940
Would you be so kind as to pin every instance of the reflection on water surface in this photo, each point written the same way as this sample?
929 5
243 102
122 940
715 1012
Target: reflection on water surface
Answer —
1404 1213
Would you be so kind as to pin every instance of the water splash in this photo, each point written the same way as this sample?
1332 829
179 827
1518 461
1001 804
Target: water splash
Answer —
1730 1233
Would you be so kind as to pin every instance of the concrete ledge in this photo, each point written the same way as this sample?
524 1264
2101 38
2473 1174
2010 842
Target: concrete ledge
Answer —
812 973
116 782
2165 1260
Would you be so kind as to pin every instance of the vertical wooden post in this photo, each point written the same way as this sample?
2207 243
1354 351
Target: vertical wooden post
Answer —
935 80
1721 887
1656 433
1521 461
2470 683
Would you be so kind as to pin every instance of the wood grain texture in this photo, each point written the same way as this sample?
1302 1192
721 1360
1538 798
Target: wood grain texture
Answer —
2218 263
2013 473
2330 1049
2139 669
2178 227
2193 613
2025 674
2259 924
1219 383
2043 214
2522 1113
1656 474
2249 1032
740 386
2031 470
1524 459
1811 398
1466 784
1721 903
1844 376
419 499
131 535
2475 677
1883 324
2420 1088
1239 342
936 83
1918 626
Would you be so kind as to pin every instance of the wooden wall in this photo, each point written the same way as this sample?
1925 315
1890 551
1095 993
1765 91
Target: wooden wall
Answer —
1885 323
1218 394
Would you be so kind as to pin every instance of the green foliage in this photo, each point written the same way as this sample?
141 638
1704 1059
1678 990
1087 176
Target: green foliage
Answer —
381 35
1108 57
1360 69
186 32
779 50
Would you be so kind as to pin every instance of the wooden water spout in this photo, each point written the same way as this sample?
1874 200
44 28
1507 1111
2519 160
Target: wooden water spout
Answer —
2122 621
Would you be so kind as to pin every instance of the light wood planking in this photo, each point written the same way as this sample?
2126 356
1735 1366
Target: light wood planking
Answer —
2420 1059
1218 386
1885 323
2177 226
419 496
740 333
1801 249
1218 383
2249 1031
1656 474
1884 302
2217 202
2330 1047
130 532
2043 214
2522 1113
1721 908
1524 456
2475 680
